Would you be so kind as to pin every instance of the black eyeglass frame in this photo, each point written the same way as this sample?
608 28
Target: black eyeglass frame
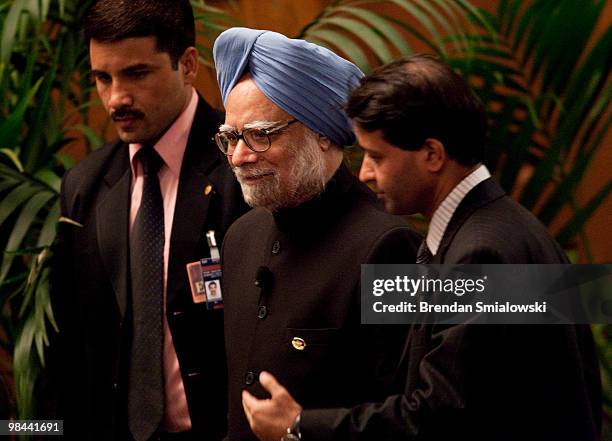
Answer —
240 135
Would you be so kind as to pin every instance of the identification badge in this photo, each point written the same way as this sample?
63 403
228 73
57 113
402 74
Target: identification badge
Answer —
205 277
205 281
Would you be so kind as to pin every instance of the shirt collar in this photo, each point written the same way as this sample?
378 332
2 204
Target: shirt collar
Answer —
171 146
446 209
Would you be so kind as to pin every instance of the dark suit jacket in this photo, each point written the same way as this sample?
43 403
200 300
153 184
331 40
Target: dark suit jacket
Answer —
91 294
307 262
484 382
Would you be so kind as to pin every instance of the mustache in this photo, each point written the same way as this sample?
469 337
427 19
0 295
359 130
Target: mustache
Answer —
244 172
126 112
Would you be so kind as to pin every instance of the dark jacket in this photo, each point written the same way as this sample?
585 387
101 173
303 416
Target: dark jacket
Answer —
295 275
91 287
484 382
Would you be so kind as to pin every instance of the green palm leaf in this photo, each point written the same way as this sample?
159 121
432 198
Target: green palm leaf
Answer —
338 41
363 33
10 128
24 221
553 109
380 25
582 215
15 199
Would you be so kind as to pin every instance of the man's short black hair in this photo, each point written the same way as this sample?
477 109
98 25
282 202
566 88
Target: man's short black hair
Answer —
170 21
420 97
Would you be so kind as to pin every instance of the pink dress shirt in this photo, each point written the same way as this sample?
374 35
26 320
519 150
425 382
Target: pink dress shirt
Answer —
171 148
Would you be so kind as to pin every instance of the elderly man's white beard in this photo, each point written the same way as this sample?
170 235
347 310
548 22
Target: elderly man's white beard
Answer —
307 179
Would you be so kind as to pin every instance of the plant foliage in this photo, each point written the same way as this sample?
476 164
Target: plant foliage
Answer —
46 98
45 93
545 80
370 32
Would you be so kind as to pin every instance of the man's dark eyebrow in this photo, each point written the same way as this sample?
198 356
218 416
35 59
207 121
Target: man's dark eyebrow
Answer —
139 66
132 68
95 73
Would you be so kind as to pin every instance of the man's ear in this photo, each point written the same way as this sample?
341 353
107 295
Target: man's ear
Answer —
434 155
189 63
324 142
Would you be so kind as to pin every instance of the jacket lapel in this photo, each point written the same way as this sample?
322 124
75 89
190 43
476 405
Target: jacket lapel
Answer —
481 195
195 191
112 218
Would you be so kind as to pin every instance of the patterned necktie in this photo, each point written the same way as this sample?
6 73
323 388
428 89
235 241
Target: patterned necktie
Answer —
423 254
145 382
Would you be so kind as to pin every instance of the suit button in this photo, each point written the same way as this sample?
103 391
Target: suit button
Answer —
276 247
249 378
115 386
262 313
298 343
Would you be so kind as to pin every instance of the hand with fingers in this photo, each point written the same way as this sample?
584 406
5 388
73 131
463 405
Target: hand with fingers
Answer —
270 418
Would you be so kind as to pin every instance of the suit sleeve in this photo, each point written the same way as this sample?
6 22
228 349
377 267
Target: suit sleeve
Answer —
480 382
407 416
398 245
60 378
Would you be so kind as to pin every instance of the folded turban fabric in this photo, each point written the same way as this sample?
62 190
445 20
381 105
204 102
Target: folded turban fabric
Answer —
307 81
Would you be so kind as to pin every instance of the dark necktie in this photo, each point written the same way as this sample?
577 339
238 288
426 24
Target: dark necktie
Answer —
145 382
423 254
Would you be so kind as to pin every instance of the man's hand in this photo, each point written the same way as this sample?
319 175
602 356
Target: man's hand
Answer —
269 419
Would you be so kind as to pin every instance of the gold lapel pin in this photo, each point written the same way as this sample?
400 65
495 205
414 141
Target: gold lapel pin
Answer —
298 343
207 190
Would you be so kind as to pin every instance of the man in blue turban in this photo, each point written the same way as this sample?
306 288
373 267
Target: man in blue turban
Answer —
291 266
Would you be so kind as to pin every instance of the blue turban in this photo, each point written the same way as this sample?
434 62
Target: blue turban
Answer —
307 81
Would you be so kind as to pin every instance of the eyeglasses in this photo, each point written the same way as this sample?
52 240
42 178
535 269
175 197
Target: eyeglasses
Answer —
258 140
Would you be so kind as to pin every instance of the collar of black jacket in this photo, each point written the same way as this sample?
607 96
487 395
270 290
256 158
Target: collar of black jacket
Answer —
317 210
